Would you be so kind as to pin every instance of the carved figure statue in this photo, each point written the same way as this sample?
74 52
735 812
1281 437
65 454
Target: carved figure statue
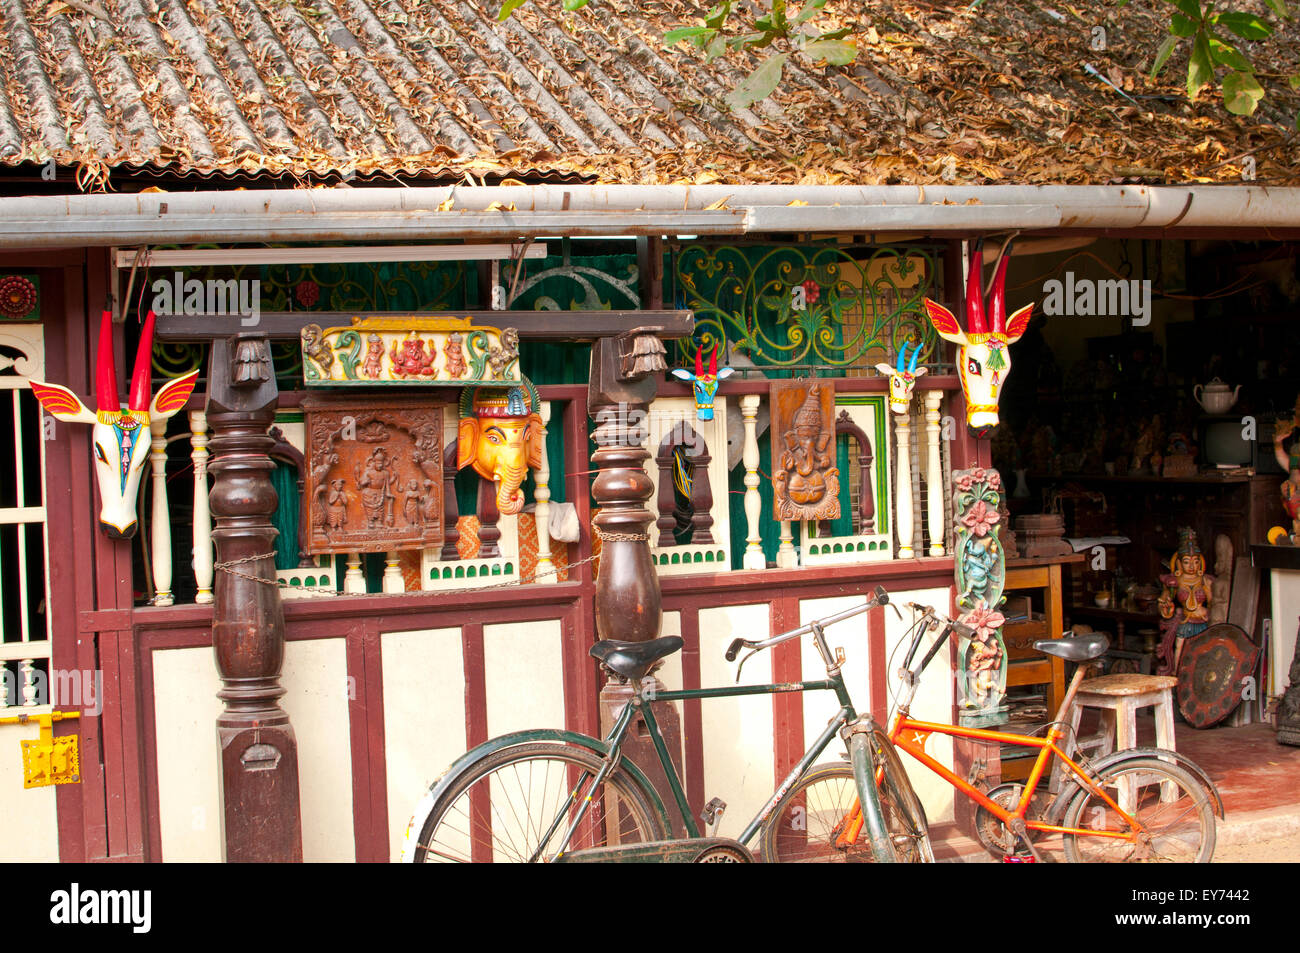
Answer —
1290 462
902 378
411 505
120 436
373 366
984 355
704 385
337 508
808 475
1184 603
1222 585
320 470
313 342
500 357
502 435
429 503
410 359
454 355
375 483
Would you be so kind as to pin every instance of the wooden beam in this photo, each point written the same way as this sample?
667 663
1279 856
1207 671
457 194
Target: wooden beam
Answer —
531 325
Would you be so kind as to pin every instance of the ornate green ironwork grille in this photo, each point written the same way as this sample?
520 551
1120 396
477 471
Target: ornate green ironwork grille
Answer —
809 307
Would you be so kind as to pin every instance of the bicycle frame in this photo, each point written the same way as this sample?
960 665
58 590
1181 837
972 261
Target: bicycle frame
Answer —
921 730
644 702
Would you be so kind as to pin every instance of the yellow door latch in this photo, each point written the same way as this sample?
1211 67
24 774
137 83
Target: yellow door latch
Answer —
48 760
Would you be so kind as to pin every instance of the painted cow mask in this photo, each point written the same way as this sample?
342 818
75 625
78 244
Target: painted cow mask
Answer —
705 385
120 436
983 355
902 378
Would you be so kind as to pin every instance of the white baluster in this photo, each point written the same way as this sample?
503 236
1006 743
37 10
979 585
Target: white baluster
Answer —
786 557
753 506
202 550
393 581
903 494
934 474
354 580
160 529
27 669
545 572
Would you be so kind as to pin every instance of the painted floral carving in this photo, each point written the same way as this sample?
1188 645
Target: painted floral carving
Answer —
17 296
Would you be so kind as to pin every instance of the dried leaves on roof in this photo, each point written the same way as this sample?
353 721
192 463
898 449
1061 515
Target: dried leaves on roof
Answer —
1011 92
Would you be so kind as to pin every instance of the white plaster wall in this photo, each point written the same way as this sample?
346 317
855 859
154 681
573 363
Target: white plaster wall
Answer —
185 711
424 717
933 701
738 748
524 663
29 831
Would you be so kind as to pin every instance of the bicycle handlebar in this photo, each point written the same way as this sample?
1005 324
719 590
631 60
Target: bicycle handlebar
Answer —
879 598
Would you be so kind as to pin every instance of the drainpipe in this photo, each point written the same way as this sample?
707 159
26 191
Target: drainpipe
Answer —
372 214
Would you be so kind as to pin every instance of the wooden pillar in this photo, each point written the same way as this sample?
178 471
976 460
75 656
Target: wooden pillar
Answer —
202 531
935 489
261 817
903 493
754 558
160 529
545 571
628 604
627 601
450 507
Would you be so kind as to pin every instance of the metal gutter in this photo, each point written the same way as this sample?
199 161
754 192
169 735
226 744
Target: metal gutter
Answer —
460 212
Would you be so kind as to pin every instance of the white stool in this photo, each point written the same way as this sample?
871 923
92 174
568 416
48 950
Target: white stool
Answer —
1119 697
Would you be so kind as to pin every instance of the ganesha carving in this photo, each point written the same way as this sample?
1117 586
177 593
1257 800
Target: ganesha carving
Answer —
502 435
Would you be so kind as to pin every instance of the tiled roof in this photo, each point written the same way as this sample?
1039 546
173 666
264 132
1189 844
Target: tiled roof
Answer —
1002 93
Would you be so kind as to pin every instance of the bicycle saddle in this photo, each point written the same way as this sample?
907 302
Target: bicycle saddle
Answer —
634 660
1080 648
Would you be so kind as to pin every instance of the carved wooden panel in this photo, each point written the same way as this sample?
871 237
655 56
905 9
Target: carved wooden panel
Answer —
374 478
805 480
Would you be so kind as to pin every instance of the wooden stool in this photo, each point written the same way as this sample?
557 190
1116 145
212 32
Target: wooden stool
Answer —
1119 697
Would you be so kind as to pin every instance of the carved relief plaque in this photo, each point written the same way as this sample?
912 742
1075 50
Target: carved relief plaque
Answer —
374 474
805 480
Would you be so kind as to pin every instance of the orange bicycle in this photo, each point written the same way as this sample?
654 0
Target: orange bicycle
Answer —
1138 805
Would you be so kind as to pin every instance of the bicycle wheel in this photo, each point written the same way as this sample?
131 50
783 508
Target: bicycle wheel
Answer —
1169 805
804 826
516 805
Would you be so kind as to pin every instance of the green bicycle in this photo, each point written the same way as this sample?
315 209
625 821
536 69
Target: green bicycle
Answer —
550 795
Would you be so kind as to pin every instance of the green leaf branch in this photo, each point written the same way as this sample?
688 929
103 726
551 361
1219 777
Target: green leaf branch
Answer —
1217 52
722 31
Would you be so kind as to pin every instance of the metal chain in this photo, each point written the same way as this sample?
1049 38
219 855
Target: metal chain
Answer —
228 567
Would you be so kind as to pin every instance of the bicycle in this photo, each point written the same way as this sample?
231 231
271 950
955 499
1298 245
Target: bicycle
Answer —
1133 805
550 795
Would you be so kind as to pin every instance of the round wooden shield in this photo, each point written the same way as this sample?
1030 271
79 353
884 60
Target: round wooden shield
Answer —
1212 671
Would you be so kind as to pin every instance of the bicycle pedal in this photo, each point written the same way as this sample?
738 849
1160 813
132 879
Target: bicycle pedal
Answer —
713 811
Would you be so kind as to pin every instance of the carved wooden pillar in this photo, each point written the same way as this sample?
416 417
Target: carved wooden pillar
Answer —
160 528
627 601
667 499
754 558
450 508
903 494
202 535
259 755
489 533
545 571
935 490
628 604
701 496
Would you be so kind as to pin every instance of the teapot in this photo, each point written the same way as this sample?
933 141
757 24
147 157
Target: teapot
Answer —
1215 397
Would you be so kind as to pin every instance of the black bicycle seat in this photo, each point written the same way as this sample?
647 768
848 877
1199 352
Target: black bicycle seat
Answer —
1081 648
634 660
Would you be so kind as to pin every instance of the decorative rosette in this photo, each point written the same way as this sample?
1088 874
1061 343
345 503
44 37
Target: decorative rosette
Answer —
17 296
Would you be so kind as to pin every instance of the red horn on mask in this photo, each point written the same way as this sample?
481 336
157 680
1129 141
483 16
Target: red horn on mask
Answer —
699 361
713 362
143 361
975 323
998 295
105 368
